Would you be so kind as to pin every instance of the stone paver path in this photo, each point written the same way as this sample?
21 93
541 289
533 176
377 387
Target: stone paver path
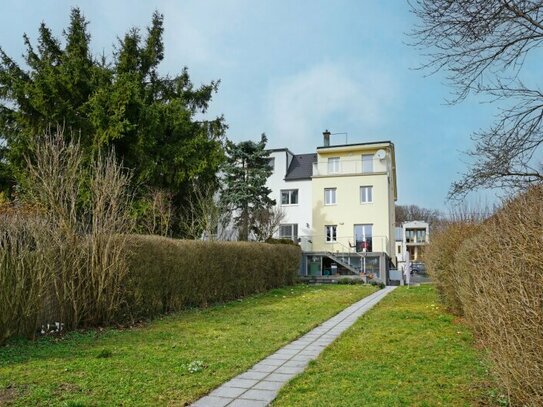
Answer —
259 385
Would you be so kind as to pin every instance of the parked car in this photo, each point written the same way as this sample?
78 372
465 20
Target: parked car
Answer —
418 268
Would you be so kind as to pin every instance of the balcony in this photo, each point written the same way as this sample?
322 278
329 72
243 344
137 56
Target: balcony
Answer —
348 167
343 244
416 237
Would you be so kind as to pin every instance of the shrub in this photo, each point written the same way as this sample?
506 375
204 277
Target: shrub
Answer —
273 240
502 294
491 272
346 280
69 260
379 284
440 260
63 262
24 276
168 274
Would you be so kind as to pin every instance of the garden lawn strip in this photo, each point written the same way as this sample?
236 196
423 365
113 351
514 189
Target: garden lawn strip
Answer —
174 360
407 351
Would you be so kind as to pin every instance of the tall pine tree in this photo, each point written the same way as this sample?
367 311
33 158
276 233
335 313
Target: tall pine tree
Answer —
125 103
244 191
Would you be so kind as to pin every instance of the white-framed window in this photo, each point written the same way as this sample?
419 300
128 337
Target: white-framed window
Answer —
366 194
331 233
289 197
330 196
271 163
333 165
363 236
288 231
367 162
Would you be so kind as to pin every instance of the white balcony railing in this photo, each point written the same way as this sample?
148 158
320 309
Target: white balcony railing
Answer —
343 244
345 167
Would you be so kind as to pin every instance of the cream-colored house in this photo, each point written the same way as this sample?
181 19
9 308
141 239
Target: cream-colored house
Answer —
353 190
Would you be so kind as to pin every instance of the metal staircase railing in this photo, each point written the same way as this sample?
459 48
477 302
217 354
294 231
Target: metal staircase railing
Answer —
344 257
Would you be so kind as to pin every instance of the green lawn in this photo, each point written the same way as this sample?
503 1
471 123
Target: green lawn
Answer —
407 351
170 361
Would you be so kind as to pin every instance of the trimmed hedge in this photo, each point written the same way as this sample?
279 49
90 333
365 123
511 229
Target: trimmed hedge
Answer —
166 274
440 260
494 277
154 275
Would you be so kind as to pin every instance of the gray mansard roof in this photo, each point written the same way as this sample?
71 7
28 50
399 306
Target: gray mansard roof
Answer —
301 167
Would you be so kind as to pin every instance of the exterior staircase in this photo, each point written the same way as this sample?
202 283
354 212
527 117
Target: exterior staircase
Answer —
341 260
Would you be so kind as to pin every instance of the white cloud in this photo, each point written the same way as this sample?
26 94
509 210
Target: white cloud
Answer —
330 95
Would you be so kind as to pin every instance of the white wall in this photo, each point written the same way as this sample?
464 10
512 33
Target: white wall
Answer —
300 213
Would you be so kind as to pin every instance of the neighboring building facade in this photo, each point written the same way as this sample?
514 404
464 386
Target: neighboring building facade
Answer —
290 183
339 204
416 235
412 237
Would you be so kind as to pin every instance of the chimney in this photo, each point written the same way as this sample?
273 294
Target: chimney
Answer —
326 140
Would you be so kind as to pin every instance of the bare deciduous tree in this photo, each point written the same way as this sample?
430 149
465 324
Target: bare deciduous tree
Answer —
483 45
266 222
405 213
86 210
158 216
205 217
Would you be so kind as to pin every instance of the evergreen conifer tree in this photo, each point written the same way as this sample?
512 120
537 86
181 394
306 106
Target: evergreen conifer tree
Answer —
148 119
246 170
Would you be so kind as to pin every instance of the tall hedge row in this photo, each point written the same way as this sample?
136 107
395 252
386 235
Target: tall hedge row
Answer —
167 274
48 284
495 279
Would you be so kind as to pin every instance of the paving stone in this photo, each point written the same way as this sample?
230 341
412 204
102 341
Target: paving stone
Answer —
279 377
211 401
227 391
295 363
270 361
263 368
267 385
279 356
289 352
248 403
293 346
311 336
310 353
300 359
251 374
304 344
316 348
330 338
256 394
243 383
290 369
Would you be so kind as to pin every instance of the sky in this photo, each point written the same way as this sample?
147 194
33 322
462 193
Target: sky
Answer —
292 69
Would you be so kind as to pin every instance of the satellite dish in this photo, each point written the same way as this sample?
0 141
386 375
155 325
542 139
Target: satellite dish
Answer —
381 154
